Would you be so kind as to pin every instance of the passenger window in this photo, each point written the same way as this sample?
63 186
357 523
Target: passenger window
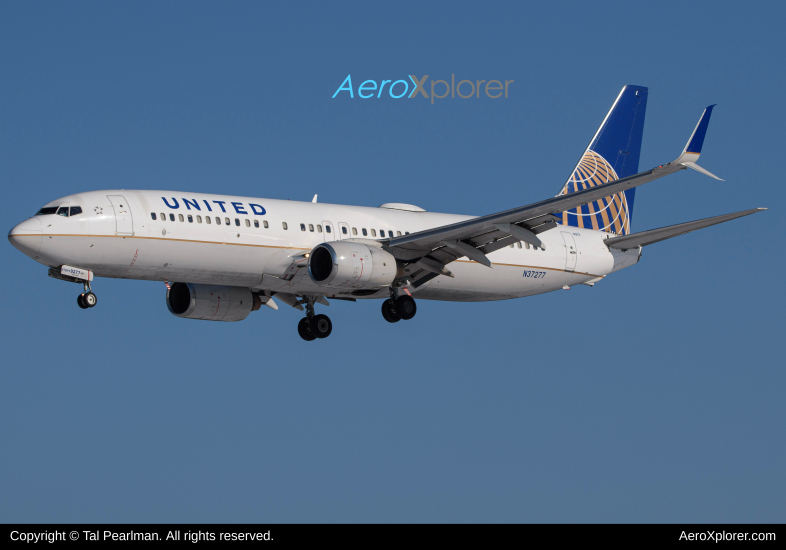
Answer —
526 245
218 220
398 233
319 228
265 224
248 223
153 215
237 222
208 219
199 219
190 218
328 229
519 244
163 217
76 210
311 227
365 233
256 224
284 225
344 230
302 227
354 230
381 232
171 217
227 222
406 232
63 211
373 232
180 217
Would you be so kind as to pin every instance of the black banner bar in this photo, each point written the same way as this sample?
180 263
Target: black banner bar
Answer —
86 534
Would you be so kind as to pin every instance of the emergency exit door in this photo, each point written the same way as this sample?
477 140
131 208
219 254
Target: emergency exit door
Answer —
343 231
329 233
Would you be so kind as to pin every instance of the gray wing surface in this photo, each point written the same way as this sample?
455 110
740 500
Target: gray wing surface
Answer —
476 237
483 234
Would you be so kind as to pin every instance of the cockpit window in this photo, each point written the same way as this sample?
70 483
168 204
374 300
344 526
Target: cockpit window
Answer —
63 211
76 210
47 210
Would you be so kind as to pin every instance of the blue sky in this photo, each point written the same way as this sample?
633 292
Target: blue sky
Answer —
657 395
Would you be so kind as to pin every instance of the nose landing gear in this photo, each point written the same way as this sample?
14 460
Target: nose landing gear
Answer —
87 298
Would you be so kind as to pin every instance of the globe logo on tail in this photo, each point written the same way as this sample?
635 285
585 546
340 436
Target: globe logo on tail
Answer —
607 214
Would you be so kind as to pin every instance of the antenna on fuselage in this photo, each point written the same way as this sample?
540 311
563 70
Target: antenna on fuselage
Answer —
314 199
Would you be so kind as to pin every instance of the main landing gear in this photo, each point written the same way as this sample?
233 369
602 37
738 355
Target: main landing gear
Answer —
313 326
87 298
397 308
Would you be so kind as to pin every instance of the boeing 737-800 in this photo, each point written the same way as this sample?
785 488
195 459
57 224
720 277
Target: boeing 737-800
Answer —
223 257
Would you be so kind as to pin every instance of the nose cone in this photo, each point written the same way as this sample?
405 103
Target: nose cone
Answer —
27 237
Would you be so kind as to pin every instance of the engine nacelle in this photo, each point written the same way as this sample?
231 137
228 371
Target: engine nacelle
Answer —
211 302
347 264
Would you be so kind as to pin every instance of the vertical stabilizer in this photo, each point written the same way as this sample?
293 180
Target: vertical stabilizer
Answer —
613 153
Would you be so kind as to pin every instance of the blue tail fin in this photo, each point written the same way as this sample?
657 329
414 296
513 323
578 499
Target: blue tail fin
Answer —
613 153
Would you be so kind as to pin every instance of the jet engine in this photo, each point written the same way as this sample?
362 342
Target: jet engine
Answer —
347 264
211 302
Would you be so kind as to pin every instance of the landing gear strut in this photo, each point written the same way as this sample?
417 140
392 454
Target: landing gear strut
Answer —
313 326
398 307
87 298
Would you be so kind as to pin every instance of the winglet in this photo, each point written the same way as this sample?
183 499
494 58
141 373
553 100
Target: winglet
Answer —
692 151
697 137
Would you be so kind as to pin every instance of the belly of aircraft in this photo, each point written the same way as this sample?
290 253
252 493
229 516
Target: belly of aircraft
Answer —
158 259
236 265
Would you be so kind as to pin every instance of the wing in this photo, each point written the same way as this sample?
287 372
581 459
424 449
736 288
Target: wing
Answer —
656 235
430 250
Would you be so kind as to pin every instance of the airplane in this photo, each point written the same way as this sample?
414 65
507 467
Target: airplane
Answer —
222 257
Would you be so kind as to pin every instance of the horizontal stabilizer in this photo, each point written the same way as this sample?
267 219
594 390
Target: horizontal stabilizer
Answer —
700 170
656 235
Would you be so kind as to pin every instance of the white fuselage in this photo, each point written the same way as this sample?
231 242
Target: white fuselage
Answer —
119 238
